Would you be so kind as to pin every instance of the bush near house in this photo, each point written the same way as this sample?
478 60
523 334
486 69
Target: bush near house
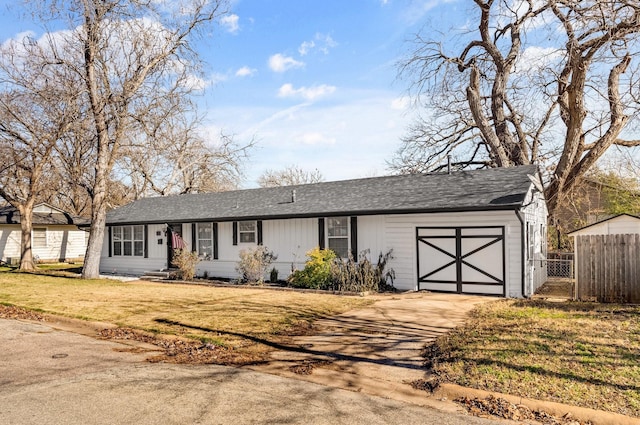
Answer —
363 275
254 263
317 270
323 270
186 262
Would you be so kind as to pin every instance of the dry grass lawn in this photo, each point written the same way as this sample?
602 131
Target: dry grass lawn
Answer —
584 354
237 318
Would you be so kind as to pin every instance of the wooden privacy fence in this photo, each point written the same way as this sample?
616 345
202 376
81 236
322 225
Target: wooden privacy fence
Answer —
607 268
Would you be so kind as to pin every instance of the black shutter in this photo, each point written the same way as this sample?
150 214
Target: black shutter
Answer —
235 233
110 241
259 227
354 238
194 242
215 241
321 233
146 241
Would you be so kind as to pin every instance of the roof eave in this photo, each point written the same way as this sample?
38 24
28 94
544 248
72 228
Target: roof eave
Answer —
503 207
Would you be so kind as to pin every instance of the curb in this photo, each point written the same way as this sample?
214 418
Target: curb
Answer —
597 417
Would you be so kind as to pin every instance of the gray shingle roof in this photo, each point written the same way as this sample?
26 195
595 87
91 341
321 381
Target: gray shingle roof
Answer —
496 188
10 215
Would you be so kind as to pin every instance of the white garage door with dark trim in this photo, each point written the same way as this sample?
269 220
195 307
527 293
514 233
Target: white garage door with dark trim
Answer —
464 260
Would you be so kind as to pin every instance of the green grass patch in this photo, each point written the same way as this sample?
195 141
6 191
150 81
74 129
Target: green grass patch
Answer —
584 354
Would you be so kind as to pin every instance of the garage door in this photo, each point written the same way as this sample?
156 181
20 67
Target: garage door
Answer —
464 260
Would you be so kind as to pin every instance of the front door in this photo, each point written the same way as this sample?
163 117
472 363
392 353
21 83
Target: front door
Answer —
171 230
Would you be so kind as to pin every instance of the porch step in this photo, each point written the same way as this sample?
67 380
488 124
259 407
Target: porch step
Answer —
155 275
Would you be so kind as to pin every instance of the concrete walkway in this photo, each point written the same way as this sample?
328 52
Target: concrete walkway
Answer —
376 350
49 376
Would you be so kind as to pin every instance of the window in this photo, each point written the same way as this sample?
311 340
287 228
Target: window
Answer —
247 231
128 241
39 237
204 235
338 235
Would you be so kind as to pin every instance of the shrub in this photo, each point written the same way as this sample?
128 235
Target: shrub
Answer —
273 275
254 263
186 261
362 275
317 270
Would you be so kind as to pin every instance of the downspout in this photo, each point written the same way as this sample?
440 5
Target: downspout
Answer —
522 249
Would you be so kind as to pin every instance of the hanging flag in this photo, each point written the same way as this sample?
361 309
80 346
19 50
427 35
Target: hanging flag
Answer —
177 242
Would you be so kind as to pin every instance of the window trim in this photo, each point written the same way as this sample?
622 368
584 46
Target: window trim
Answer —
33 237
212 239
121 242
254 232
347 236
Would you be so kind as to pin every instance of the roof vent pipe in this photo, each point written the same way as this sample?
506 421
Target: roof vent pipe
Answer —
293 196
448 164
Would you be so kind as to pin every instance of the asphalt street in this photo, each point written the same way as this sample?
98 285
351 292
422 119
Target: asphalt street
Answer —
49 376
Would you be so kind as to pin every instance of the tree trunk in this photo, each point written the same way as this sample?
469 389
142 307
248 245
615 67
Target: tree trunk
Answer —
26 253
91 269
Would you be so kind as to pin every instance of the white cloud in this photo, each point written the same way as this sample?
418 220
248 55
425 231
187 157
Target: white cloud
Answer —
281 63
323 136
230 23
535 58
245 71
316 139
416 11
321 42
400 103
307 93
305 47
195 82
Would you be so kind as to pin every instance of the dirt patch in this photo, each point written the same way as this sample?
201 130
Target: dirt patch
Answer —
307 366
499 407
180 351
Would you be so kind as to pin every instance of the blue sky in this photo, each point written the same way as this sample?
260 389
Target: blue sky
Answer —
312 82
315 82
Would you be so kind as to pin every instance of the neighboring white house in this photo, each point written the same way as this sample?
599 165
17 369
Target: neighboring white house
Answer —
619 224
476 232
55 235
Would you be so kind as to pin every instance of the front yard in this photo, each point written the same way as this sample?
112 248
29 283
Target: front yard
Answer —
235 318
584 354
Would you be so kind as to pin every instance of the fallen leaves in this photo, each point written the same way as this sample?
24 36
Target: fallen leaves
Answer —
495 406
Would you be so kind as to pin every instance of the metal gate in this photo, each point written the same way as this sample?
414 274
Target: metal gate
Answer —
464 260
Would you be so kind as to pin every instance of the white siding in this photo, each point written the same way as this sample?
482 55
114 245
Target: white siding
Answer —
62 243
10 241
616 225
157 255
400 235
371 235
288 239
535 216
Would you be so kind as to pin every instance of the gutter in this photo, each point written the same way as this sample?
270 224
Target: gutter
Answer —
315 214
522 249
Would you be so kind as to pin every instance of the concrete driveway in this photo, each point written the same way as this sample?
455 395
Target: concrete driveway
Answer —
49 376
375 350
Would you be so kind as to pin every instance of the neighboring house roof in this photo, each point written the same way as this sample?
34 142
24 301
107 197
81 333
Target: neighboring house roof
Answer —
620 217
10 215
490 189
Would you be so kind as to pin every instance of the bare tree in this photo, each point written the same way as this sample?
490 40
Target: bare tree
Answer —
291 175
127 56
173 157
35 111
531 74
